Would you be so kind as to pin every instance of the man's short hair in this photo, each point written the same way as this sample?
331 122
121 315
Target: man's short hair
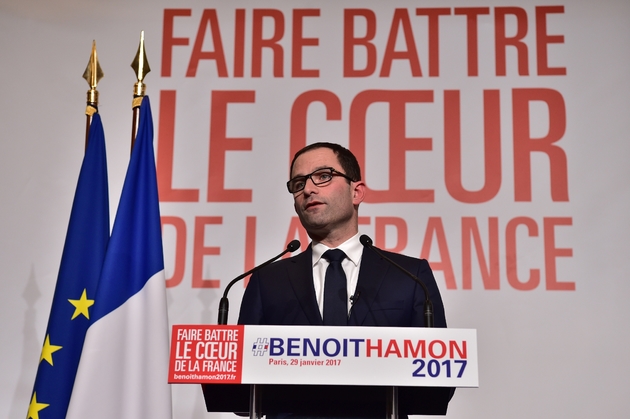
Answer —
348 161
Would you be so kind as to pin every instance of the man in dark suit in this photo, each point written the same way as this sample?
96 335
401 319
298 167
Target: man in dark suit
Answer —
336 281
283 293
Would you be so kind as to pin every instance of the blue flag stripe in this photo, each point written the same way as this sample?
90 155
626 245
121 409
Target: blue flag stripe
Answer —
137 228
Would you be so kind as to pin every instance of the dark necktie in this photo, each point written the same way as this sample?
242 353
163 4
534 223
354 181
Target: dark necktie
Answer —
335 290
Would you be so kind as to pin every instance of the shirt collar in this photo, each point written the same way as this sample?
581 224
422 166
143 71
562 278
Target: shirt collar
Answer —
351 247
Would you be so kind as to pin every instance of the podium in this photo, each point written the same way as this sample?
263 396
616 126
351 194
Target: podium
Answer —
363 401
326 370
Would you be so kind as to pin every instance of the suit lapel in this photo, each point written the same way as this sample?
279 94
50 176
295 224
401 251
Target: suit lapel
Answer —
371 276
301 278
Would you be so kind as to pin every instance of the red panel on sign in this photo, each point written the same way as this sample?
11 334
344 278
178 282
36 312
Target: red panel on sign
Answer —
206 354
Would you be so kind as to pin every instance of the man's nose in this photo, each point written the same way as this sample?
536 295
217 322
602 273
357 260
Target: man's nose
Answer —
310 187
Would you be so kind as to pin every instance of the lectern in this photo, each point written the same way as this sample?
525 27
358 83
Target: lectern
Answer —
321 400
319 371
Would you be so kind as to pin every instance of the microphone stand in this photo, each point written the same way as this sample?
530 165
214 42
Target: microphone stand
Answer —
224 308
224 304
392 394
428 304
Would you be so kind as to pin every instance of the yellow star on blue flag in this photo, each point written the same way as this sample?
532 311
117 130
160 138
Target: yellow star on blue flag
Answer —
35 407
48 350
81 306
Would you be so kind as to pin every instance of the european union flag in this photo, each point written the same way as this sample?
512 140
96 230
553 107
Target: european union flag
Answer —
79 273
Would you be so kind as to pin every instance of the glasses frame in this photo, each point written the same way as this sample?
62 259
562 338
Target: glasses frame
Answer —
333 173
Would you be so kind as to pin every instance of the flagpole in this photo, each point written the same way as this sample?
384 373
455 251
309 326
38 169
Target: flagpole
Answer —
92 75
141 66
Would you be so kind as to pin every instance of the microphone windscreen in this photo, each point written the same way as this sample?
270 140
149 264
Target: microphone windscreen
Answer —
293 246
365 240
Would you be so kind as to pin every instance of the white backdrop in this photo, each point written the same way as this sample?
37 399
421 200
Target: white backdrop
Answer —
534 256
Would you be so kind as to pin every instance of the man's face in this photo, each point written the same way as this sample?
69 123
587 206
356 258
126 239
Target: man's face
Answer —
331 207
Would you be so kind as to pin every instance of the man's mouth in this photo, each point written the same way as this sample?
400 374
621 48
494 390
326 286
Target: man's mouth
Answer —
312 204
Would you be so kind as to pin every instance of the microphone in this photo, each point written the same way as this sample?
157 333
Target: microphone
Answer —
428 305
353 299
224 304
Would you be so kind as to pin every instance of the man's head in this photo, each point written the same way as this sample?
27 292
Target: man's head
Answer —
327 190
346 159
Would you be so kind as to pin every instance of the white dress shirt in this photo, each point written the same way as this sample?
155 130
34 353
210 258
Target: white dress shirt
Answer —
353 250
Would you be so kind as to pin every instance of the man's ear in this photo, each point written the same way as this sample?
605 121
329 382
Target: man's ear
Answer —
358 192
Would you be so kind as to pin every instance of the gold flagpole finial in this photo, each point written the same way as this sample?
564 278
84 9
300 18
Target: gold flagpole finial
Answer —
141 66
92 74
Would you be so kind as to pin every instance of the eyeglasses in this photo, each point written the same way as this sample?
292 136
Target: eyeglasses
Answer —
319 177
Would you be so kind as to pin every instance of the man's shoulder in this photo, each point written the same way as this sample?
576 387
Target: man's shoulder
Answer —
401 258
287 262
418 267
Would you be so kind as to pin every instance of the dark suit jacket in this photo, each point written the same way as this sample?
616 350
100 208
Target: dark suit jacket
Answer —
283 293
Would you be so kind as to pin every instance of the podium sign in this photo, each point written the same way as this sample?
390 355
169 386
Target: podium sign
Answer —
326 355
